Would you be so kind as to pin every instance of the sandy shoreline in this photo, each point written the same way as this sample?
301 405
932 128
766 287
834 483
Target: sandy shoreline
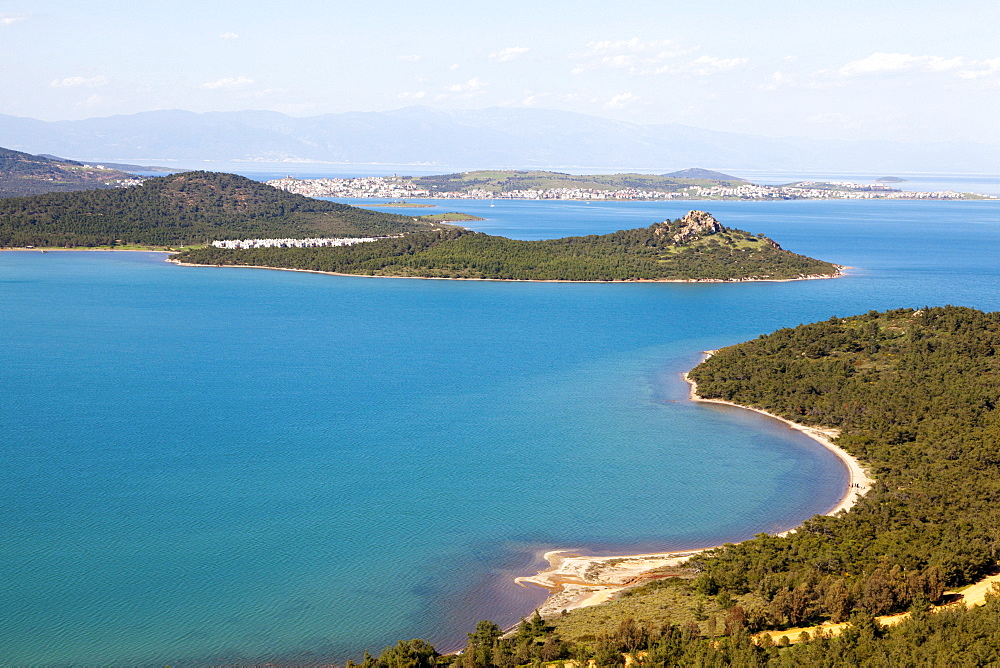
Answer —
858 483
811 277
577 581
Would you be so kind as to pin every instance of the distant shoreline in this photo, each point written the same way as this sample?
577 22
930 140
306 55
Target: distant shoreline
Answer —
577 581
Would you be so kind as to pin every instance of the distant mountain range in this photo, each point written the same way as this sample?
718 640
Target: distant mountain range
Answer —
494 137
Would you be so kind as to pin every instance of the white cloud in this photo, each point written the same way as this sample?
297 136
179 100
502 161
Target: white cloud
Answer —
706 65
77 82
413 95
830 117
93 101
636 55
776 81
410 58
655 57
228 83
980 69
229 35
454 67
894 63
471 85
620 101
510 53
663 48
9 19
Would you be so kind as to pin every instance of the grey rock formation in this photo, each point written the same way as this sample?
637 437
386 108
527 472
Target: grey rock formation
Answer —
697 224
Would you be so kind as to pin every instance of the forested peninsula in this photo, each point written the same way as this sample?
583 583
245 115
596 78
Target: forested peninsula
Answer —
915 394
695 247
184 209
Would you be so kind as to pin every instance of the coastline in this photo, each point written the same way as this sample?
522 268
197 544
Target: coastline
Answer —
577 581
85 250
859 483
840 274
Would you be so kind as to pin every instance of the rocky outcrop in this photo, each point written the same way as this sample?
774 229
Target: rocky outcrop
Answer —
697 224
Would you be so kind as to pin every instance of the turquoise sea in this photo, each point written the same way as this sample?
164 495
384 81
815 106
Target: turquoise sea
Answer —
207 465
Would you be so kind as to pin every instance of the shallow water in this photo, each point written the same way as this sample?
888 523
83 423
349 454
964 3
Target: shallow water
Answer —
207 464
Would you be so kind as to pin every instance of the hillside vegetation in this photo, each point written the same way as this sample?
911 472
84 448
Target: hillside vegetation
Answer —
916 395
23 174
498 181
696 247
187 208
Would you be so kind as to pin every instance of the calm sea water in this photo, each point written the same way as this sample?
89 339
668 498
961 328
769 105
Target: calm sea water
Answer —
206 465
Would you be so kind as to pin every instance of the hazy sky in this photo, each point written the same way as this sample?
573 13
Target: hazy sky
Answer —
914 70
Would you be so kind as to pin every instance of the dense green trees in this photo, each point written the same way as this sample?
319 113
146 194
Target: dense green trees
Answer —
641 254
187 208
954 636
915 394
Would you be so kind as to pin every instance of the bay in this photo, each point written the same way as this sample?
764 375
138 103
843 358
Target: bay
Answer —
208 465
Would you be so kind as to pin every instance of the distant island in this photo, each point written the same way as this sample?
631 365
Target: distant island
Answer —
189 208
688 184
694 248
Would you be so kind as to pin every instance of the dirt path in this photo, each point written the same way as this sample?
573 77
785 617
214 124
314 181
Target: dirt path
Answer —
971 596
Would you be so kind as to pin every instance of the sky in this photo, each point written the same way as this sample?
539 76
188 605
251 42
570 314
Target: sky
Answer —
914 71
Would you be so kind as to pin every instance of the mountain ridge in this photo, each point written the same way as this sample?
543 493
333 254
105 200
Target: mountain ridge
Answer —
492 137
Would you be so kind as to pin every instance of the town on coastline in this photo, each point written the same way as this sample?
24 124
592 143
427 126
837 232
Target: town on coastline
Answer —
401 187
311 242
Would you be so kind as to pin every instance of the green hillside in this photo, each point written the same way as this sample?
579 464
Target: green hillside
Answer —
696 247
916 396
23 174
498 181
699 173
187 208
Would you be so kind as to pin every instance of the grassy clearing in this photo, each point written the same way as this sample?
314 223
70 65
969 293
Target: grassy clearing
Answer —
668 601
450 217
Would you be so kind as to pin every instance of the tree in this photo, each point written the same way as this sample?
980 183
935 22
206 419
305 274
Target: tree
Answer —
408 654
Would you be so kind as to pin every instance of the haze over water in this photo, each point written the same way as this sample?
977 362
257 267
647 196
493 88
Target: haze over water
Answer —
206 464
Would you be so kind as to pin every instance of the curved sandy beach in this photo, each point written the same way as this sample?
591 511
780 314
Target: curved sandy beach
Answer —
859 483
578 581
